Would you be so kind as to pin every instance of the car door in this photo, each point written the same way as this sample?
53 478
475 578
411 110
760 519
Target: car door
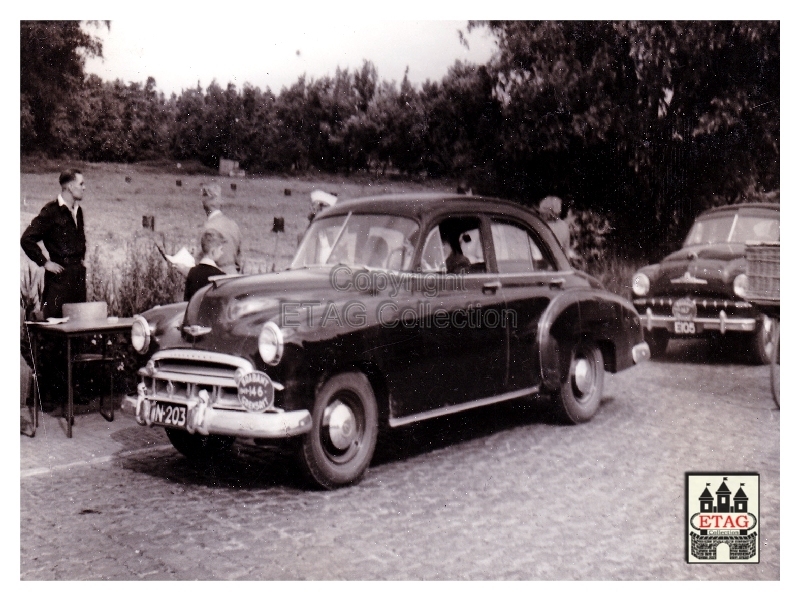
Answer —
462 334
529 280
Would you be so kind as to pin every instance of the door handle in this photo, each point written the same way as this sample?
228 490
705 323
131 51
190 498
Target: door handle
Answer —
491 287
557 282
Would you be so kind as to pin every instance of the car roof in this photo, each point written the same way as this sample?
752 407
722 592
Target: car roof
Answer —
417 204
747 206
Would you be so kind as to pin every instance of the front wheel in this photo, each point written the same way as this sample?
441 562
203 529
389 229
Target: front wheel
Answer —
762 340
339 447
582 385
199 448
775 365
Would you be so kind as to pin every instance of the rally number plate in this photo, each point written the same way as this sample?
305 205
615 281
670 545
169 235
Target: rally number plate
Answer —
168 414
687 328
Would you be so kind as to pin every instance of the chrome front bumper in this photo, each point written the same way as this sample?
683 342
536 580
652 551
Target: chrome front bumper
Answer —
205 383
206 420
721 323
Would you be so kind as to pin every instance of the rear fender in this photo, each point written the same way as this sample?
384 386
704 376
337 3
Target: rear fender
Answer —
596 315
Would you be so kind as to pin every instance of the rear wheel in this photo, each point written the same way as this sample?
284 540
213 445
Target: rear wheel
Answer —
199 448
339 447
582 386
657 339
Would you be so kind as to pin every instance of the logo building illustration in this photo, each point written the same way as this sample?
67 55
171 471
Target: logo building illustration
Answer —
722 525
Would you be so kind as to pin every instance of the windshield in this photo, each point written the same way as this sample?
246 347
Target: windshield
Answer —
734 228
378 241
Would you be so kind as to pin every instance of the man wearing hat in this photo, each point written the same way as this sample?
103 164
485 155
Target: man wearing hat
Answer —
231 260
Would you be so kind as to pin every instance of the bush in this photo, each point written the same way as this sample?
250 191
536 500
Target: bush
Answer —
145 279
589 233
31 287
591 252
615 273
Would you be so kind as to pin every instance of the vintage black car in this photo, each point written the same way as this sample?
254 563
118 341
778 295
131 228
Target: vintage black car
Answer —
700 289
395 309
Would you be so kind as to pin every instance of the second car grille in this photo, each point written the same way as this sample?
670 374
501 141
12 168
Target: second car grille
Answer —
706 307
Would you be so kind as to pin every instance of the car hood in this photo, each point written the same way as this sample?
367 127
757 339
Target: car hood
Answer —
233 299
228 316
706 270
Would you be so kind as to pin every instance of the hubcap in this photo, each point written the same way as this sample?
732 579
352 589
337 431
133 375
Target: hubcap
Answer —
768 333
582 375
341 425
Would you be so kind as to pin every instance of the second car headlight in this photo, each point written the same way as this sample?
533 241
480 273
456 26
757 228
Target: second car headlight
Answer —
641 284
140 334
740 285
270 343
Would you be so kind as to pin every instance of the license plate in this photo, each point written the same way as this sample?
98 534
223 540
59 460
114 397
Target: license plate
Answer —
168 414
687 328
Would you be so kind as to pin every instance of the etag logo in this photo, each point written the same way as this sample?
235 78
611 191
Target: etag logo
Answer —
722 517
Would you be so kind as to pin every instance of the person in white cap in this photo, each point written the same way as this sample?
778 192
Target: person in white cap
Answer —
320 200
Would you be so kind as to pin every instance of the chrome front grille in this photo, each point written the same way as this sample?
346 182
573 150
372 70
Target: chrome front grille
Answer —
764 272
182 374
706 307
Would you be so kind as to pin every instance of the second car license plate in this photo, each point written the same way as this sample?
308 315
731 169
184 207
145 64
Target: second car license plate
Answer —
168 414
687 328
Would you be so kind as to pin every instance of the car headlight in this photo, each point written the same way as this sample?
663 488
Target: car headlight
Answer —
641 284
270 343
140 334
740 285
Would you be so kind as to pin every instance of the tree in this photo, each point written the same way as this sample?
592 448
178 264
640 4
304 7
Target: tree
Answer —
651 121
463 119
52 58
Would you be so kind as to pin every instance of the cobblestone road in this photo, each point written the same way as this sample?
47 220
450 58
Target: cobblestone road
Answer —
502 493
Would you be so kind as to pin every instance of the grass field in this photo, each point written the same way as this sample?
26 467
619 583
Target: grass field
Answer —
114 206
118 196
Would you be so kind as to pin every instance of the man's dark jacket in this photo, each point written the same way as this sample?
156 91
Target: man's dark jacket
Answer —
65 242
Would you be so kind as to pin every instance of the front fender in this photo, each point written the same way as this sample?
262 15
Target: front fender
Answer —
598 315
165 322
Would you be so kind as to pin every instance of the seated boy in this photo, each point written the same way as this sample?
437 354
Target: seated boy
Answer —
211 247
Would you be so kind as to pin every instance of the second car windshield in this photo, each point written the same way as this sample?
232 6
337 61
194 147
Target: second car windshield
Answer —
378 241
736 229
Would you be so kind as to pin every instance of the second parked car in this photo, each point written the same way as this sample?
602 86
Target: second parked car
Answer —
700 289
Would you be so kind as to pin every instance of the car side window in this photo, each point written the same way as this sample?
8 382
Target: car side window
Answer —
433 256
454 245
517 251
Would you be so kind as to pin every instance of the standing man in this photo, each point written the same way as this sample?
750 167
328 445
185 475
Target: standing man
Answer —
59 226
231 259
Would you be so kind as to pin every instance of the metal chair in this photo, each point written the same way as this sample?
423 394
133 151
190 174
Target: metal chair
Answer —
79 359
106 362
